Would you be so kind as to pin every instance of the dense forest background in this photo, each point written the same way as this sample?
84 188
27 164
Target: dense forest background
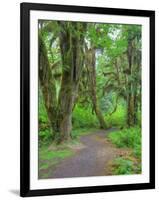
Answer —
89 78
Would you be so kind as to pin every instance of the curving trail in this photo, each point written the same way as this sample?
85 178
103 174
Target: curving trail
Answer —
92 160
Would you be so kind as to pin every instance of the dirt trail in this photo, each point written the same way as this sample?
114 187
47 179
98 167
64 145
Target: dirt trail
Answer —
92 160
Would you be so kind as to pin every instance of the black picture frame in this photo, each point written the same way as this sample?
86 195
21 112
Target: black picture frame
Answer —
25 9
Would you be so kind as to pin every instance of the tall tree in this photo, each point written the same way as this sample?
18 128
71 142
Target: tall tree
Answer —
133 35
91 65
71 44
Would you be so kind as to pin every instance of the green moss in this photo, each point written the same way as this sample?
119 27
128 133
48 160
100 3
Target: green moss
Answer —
46 175
77 133
44 166
47 154
49 159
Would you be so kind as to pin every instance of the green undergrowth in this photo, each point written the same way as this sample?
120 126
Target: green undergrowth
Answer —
118 118
130 138
45 137
125 166
44 132
84 118
127 138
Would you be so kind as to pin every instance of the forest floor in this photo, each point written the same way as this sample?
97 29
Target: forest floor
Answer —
92 157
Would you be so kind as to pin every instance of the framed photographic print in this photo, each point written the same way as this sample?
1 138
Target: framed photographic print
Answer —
87 99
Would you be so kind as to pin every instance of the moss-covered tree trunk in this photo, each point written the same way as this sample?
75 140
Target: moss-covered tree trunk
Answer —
135 104
47 84
91 65
130 97
137 84
71 44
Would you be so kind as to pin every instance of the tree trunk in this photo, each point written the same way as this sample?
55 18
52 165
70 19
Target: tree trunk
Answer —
130 110
47 84
137 85
130 97
71 45
91 59
135 105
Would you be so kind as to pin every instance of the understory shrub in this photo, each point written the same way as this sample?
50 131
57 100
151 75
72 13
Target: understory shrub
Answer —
125 166
45 136
127 138
130 138
118 118
84 118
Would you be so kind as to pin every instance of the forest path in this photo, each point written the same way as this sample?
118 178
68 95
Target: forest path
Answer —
92 160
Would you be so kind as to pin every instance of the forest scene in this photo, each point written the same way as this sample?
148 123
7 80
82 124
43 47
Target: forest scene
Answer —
89 99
